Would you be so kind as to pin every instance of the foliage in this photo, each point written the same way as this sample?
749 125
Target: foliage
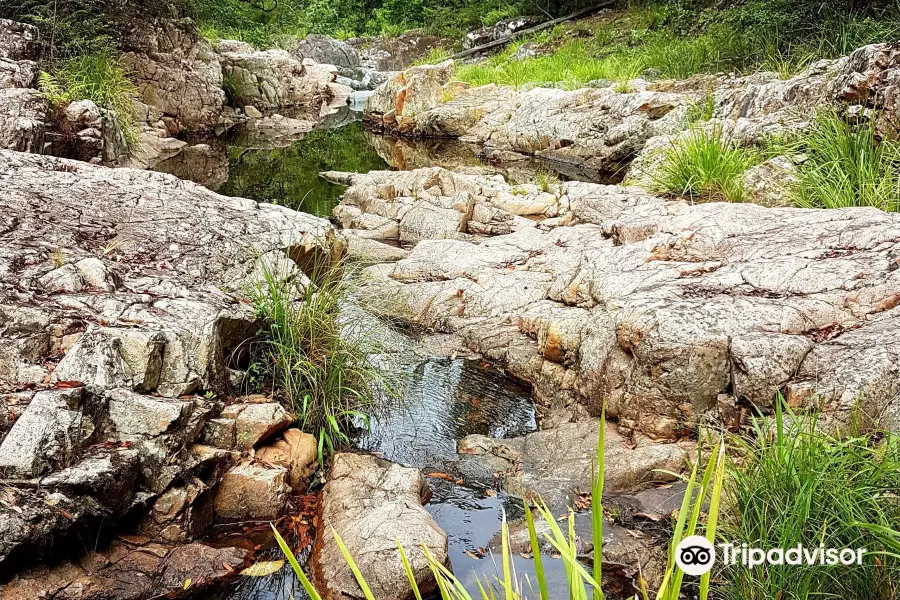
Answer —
99 78
793 484
705 164
315 355
681 38
506 584
845 165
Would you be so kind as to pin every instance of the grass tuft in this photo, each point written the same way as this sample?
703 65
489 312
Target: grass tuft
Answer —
99 78
316 356
706 164
845 165
792 484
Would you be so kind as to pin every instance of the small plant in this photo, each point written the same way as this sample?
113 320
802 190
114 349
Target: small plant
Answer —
505 583
315 355
698 112
546 181
58 258
793 484
705 164
846 165
99 78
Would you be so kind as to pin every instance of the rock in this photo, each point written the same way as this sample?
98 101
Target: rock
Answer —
108 476
275 79
19 41
177 72
22 124
603 135
770 183
135 416
870 78
369 250
326 50
251 491
255 423
47 436
219 433
372 504
501 30
252 112
555 464
113 357
396 53
131 569
296 451
625 296
181 253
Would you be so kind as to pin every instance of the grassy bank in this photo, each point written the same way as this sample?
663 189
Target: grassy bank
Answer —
678 39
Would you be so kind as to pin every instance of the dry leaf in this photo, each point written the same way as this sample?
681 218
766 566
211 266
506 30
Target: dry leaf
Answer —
228 567
473 555
490 492
441 476
187 583
261 569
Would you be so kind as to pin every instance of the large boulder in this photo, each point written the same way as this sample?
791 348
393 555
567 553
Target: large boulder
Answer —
500 30
275 79
327 50
178 73
373 504
666 310
598 129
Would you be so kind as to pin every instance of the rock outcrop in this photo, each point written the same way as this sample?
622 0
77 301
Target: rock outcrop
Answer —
22 109
178 73
605 129
372 504
120 299
274 79
667 311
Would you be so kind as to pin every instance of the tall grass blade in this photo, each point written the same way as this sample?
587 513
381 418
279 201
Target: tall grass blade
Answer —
292 560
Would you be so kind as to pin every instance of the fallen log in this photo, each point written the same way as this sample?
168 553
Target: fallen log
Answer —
545 25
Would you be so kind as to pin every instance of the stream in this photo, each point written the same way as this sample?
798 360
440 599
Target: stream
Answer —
444 399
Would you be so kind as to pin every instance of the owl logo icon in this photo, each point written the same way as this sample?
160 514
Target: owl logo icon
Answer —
695 555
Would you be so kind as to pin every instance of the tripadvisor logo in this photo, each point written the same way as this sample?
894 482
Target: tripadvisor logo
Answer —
696 555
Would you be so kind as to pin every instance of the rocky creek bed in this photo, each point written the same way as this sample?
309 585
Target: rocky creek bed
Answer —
131 459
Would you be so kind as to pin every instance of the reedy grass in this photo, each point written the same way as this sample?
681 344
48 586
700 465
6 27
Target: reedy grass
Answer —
505 585
845 165
318 362
100 78
793 484
705 164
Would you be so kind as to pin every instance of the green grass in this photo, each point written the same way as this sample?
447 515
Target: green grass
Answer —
795 485
845 165
99 78
583 583
675 40
707 165
322 373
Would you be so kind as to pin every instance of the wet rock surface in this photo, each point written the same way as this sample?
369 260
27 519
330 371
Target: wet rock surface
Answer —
660 307
372 504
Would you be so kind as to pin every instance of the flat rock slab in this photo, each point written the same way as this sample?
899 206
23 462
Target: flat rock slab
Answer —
372 504
664 309
556 465
132 569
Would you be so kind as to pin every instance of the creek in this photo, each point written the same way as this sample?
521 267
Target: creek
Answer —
444 399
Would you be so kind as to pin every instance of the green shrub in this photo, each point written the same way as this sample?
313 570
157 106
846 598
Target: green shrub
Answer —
705 164
314 354
846 165
793 484
99 78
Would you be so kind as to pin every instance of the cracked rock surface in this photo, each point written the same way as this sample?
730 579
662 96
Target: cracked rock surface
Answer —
666 310
120 307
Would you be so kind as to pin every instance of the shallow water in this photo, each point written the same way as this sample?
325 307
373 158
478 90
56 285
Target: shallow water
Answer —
444 400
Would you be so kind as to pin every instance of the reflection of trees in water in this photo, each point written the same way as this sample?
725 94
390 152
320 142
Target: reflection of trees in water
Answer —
290 176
